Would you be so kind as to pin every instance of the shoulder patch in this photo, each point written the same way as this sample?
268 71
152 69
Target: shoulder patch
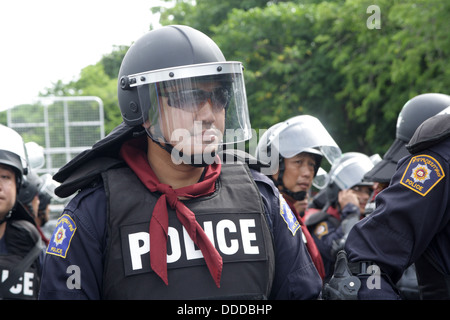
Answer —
288 216
62 236
422 174
321 230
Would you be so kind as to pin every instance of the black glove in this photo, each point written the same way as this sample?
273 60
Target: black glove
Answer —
342 285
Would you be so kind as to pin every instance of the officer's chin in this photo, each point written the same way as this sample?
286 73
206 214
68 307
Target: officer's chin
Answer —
196 157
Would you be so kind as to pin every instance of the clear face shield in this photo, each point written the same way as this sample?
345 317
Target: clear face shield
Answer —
350 172
48 187
194 110
296 135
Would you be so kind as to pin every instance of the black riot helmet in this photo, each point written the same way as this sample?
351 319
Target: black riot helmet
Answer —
30 187
170 67
166 47
413 113
417 110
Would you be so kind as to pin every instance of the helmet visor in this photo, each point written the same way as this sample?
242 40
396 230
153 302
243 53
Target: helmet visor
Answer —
350 172
195 108
304 132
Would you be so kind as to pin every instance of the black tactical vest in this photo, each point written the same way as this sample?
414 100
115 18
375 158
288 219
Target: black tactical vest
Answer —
21 237
233 217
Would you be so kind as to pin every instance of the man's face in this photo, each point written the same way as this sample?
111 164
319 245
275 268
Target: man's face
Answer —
298 175
7 190
299 172
193 120
363 193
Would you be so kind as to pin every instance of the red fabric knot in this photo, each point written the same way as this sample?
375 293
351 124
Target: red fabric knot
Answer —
171 195
133 153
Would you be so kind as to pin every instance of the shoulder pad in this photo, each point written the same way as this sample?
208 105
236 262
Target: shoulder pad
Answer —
430 132
88 165
21 236
108 146
82 176
234 155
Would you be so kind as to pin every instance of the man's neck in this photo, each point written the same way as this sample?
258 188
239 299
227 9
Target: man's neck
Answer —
175 175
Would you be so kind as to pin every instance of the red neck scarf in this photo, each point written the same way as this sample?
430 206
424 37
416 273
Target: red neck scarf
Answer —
134 155
310 244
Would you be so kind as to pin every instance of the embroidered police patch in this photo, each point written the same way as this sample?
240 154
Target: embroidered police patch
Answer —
321 230
62 236
288 216
422 174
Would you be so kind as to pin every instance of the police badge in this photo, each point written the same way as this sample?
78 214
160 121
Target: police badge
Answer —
62 236
422 174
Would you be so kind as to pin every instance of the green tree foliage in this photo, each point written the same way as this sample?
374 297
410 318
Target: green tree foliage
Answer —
328 59
98 80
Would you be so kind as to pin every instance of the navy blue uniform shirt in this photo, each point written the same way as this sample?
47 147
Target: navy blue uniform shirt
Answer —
412 215
83 222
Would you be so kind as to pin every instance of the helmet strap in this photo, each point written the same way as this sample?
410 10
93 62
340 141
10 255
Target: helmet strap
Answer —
8 215
196 161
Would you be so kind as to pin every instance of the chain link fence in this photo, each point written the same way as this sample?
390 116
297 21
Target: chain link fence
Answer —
63 126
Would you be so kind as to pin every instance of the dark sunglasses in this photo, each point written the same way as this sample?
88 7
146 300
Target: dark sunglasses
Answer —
193 100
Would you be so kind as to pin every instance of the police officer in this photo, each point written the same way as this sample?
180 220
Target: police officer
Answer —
20 243
413 113
159 214
294 149
409 225
334 211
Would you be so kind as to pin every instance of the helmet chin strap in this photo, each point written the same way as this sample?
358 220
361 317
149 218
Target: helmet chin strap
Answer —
297 196
7 216
194 160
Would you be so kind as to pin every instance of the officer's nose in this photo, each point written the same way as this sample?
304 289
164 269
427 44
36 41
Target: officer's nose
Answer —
206 113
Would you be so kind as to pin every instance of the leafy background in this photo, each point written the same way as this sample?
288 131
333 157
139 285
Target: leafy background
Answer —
310 57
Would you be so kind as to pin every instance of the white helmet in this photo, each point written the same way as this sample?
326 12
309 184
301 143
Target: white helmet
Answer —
12 152
286 139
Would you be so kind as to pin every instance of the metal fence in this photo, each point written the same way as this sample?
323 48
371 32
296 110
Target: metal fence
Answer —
63 126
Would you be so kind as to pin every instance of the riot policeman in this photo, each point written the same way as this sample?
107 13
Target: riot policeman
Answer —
20 243
160 215
340 205
294 149
411 212
412 114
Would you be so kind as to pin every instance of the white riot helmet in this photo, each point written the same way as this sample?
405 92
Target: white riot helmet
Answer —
348 172
12 152
288 138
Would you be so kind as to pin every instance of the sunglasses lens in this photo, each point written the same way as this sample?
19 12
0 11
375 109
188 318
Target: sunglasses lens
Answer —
192 100
221 97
